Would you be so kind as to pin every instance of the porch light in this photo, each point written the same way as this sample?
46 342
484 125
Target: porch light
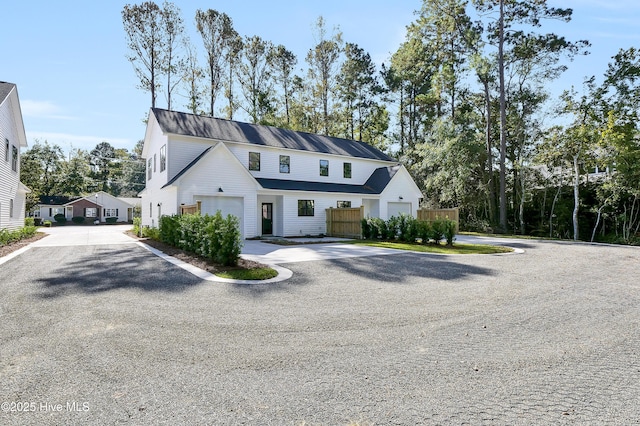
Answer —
220 189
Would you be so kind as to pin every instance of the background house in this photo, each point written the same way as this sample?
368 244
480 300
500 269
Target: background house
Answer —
98 205
276 181
12 138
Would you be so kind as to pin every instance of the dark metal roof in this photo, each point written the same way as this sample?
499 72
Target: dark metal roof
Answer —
381 177
5 89
299 185
180 123
376 183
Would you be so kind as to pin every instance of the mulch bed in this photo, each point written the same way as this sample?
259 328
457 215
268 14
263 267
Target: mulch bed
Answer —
195 260
11 247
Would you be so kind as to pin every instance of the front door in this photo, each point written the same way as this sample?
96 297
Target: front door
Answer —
267 218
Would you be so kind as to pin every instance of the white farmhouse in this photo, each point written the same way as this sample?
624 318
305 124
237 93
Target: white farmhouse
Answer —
12 138
276 181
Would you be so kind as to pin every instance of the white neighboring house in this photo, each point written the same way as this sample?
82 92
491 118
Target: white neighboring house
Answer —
98 205
12 138
277 182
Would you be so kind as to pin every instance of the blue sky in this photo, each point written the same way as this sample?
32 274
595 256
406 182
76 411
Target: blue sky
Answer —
77 88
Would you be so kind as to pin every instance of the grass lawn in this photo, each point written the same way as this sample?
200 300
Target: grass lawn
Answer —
248 274
457 248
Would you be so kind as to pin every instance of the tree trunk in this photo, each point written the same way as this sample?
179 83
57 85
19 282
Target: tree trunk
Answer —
522 197
503 124
576 196
492 188
553 206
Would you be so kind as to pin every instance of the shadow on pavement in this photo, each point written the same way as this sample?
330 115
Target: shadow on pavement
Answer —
107 269
399 268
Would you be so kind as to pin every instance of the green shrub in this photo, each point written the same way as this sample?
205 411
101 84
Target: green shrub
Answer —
213 237
29 221
366 229
153 233
423 231
111 220
137 226
378 227
230 242
77 219
449 231
47 223
407 228
437 230
60 219
7 237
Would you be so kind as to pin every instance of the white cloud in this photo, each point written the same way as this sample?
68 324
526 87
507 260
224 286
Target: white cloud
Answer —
43 109
68 141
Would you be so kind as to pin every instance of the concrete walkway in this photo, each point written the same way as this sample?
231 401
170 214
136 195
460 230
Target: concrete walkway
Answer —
271 254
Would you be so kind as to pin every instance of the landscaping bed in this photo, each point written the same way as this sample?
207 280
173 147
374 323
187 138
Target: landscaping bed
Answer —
243 269
11 247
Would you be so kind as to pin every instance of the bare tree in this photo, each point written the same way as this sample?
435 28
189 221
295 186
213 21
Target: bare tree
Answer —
143 27
216 30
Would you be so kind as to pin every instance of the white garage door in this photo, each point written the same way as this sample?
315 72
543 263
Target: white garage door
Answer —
226 205
394 209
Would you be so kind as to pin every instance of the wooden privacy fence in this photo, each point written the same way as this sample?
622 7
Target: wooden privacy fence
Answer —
430 215
345 222
191 208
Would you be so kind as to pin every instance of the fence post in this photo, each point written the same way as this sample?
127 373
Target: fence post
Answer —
198 206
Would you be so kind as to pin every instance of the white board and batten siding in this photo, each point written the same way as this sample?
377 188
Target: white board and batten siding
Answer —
305 166
222 183
400 196
295 225
12 195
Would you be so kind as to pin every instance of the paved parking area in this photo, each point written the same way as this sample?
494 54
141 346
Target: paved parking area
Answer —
111 334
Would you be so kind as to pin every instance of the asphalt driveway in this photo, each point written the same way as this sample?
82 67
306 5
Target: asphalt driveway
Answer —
111 334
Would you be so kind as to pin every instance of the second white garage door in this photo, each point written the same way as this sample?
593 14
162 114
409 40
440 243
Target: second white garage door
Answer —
395 209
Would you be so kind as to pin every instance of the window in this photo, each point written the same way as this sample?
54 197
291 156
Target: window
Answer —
14 159
344 204
149 170
163 158
11 207
305 207
90 212
346 170
284 163
324 167
110 212
254 161
150 210
6 150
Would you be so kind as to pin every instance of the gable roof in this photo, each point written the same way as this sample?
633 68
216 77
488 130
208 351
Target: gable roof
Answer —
180 123
187 167
5 89
55 200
